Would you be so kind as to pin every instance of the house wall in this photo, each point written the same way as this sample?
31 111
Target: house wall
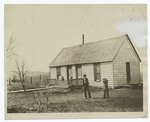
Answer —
64 72
125 54
135 72
88 70
107 72
53 73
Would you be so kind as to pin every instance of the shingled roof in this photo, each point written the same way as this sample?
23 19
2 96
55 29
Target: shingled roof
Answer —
99 51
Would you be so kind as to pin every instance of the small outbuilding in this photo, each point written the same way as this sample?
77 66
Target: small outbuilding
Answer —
115 59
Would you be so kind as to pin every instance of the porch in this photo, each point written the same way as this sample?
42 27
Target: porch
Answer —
71 84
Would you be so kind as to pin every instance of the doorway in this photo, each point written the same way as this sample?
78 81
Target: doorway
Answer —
69 72
128 72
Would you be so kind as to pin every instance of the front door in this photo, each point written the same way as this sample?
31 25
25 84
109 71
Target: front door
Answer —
69 72
128 72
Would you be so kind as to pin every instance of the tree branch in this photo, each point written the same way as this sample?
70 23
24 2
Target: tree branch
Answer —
11 41
26 72
17 66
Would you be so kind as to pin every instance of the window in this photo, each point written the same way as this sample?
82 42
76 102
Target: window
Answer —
128 72
97 72
78 71
58 72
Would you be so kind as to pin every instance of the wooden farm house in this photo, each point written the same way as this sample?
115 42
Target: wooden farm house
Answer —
115 59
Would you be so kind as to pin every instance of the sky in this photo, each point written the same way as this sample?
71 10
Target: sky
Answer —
42 31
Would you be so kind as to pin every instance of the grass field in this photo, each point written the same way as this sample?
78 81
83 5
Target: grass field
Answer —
121 100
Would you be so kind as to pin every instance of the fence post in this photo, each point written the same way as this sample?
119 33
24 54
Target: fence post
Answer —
41 79
47 81
31 80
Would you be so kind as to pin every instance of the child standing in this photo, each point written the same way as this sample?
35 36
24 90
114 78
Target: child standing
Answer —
106 90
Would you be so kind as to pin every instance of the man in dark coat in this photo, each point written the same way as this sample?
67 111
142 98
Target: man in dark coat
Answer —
106 90
86 86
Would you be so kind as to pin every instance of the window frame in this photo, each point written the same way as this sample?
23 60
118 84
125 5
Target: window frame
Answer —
97 72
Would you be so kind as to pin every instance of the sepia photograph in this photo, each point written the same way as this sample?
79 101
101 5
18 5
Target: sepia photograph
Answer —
75 61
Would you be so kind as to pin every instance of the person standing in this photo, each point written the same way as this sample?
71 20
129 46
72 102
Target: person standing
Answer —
106 90
86 86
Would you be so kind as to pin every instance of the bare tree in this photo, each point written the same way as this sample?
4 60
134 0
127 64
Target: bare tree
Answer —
49 94
38 96
21 71
11 46
10 52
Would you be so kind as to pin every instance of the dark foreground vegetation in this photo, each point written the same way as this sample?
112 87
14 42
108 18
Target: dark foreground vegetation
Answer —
121 100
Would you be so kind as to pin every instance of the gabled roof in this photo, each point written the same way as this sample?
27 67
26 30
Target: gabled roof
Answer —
99 51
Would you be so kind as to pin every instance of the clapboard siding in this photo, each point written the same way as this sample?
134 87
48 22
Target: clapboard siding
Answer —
119 73
107 72
64 72
125 54
88 70
135 72
53 73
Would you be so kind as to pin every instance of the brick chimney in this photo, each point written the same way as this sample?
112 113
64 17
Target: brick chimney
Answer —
82 38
